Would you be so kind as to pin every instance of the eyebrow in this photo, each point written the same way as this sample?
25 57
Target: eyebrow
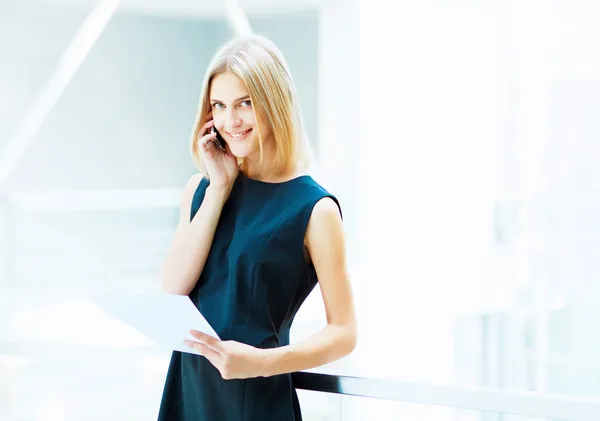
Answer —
236 100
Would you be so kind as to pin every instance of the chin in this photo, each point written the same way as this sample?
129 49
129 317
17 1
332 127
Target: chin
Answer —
243 149
240 151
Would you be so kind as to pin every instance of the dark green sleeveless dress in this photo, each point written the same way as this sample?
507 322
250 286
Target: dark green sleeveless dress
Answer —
253 283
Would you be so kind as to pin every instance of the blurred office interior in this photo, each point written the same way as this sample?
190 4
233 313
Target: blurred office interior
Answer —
461 138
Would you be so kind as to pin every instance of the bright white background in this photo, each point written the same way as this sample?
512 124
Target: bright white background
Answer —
460 138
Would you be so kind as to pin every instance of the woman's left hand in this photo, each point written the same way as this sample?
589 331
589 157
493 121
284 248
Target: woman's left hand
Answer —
234 360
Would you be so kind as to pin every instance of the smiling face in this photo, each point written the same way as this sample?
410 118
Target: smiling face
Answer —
265 131
234 116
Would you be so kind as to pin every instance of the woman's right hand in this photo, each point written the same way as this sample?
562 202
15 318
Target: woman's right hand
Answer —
221 166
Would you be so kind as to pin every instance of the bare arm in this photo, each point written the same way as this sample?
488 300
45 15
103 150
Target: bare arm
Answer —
192 241
325 240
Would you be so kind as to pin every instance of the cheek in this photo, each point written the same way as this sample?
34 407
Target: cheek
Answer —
248 117
218 119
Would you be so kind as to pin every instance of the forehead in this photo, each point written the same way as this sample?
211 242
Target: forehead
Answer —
227 87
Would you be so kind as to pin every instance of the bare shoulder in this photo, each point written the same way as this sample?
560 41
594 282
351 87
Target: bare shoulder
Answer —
324 240
188 195
193 182
325 219
326 208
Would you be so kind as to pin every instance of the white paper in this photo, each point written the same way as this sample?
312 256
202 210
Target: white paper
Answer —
164 318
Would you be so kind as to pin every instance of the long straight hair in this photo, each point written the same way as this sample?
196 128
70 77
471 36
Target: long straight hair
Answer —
258 62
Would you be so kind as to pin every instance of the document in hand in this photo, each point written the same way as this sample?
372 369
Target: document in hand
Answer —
164 318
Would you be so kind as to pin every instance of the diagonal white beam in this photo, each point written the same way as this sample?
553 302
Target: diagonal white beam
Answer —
72 58
237 18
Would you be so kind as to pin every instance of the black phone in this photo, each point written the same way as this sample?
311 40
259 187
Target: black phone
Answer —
219 141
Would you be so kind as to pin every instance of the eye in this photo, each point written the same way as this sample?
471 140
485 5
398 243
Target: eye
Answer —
247 103
218 105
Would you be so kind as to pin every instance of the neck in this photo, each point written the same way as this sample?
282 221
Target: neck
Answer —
266 172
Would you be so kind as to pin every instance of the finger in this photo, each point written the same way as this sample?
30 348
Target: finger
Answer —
209 124
205 339
211 355
208 340
204 140
205 127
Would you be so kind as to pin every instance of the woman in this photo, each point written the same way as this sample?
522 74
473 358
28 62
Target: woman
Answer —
256 233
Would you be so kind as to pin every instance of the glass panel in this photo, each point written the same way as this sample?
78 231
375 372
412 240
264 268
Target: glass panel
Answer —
359 408
317 406
353 408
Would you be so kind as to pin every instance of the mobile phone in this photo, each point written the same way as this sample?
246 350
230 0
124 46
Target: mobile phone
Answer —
219 141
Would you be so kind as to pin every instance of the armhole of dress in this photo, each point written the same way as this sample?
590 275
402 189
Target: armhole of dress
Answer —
311 206
308 213
198 197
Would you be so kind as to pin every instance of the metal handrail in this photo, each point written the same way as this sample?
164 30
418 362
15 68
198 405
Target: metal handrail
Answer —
566 407
555 406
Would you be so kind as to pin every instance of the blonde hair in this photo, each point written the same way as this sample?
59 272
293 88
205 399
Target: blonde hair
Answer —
260 65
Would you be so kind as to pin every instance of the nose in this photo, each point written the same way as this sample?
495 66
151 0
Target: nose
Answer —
232 120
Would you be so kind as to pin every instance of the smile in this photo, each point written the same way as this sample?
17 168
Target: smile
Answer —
239 135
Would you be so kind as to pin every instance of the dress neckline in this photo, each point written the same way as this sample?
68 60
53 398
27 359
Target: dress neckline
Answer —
272 183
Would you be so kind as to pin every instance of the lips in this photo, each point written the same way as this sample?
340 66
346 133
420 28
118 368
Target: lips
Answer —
238 135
